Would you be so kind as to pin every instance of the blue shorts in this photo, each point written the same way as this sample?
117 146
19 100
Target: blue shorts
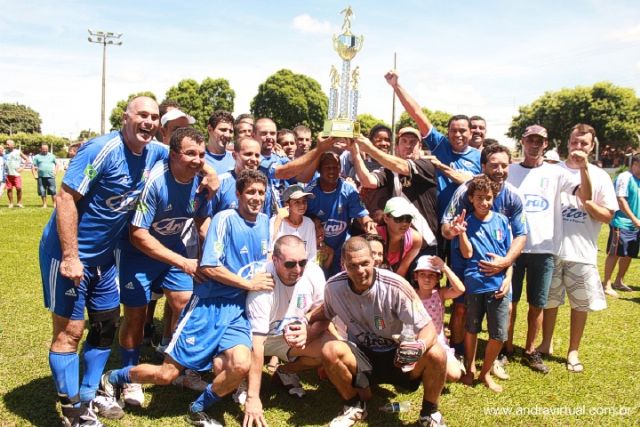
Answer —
46 185
539 270
207 327
497 311
98 290
141 275
623 243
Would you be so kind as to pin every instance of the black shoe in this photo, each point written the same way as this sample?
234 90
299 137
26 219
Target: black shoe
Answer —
201 419
534 361
82 416
149 334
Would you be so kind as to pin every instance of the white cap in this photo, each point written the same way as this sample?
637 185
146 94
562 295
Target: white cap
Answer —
425 263
552 155
175 114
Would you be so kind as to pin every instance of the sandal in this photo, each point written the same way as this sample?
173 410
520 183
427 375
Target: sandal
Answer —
575 368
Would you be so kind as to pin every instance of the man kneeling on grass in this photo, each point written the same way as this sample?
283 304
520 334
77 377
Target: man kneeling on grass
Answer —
377 305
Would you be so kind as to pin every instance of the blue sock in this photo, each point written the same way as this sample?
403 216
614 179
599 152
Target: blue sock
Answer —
206 399
95 359
130 357
120 376
65 369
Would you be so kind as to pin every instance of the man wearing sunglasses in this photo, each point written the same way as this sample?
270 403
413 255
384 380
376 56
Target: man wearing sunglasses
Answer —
278 323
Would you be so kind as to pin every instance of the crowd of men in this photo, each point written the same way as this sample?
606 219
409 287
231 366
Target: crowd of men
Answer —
324 256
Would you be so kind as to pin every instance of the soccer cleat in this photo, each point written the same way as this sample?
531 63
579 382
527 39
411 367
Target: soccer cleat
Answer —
201 419
534 361
191 380
132 394
498 371
289 381
106 407
240 395
432 420
350 415
82 416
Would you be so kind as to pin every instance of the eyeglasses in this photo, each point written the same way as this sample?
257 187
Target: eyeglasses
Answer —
403 218
292 264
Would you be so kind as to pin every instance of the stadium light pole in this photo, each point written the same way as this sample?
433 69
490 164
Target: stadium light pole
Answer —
104 38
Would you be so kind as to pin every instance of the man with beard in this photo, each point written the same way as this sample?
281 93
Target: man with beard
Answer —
213 332
220 130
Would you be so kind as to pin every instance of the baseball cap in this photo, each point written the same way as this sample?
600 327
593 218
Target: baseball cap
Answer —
175 114
410 130
425 263
295 192
552 155
398 206
535 130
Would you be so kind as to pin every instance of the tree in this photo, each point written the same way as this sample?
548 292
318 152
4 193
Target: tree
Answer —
19 118
367 121
200 100
116 114
613 111
291 99
87 134
438 118
31 142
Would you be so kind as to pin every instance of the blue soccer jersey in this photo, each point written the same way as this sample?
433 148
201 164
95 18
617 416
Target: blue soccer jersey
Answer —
489 236
222 163
239 245
226 198
335 209
469 160
166 206
110 178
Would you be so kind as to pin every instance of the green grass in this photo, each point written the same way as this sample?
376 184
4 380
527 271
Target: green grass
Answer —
610 353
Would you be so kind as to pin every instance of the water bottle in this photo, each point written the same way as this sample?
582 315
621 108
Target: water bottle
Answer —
407 335
396 407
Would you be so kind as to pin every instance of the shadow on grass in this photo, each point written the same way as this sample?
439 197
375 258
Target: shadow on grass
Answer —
35 402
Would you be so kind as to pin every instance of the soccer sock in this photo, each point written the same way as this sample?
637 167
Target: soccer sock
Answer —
130 357
65 368
95 359
120 376
205 400
428 408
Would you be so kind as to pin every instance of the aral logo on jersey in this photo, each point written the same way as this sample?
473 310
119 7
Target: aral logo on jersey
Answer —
535 203
334 228
170 226
124 202
248 271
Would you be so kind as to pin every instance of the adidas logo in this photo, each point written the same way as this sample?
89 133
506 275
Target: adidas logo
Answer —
169 207
244 250
191 340
129 286
71 292
321 213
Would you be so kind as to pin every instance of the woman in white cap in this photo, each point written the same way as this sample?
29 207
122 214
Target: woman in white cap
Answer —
427 275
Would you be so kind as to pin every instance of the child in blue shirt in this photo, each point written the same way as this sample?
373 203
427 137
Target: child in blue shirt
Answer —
484 232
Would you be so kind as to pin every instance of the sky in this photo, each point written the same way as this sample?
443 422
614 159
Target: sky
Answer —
468 57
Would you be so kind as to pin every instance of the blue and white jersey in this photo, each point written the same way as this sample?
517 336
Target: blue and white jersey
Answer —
110 179
335 209
226 197
488 236
268 167
469 160
240 246
165 207
221 163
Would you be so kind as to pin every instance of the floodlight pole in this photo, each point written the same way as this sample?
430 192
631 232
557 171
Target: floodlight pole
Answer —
104 38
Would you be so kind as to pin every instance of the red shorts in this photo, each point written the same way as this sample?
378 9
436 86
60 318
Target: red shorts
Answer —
14 181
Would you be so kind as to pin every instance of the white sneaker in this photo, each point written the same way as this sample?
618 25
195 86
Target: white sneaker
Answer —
498 371
106 407
290 381
240 395
132 394
191 380
80 417
350 415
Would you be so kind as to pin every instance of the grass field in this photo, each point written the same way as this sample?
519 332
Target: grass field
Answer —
605 394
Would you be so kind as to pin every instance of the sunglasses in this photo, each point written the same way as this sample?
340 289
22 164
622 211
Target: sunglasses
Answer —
292 264
403 218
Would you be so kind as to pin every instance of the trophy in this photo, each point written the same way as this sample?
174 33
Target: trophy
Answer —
343 94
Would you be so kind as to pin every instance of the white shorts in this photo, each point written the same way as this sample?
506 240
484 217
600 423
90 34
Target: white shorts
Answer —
275 345
581 282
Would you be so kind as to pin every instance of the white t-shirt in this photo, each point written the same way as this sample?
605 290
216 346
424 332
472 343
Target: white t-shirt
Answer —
270 311
374 316
306 231
541 187
579 230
